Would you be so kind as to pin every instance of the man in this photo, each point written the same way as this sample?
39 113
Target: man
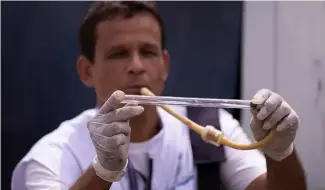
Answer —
122 50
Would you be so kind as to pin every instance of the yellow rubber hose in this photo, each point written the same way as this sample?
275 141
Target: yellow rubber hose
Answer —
210 134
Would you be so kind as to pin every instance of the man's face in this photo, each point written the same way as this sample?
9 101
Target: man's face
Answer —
128 56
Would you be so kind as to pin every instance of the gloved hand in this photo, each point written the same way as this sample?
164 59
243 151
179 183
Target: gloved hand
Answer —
110 134
273 112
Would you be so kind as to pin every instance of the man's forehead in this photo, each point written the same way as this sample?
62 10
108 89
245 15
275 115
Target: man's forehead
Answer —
140 27
139 21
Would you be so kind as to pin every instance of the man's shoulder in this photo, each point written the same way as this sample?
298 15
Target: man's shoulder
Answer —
240 167
67 130
71 137
63 148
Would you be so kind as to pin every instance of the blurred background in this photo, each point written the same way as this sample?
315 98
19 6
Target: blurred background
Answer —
218 49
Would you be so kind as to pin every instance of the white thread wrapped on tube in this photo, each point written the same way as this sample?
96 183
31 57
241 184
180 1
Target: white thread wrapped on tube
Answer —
211 135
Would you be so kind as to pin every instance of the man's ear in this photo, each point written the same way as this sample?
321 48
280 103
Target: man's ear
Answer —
84 69
166 63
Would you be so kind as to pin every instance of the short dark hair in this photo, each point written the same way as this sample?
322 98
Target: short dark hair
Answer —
105 10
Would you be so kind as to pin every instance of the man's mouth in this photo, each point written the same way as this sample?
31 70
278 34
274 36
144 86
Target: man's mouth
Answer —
135 90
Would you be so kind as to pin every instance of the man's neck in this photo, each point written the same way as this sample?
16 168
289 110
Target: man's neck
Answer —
145 126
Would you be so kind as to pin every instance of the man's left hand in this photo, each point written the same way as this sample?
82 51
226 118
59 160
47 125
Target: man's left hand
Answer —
272 112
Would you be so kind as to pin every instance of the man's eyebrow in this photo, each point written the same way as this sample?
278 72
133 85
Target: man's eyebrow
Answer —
152 46
114 48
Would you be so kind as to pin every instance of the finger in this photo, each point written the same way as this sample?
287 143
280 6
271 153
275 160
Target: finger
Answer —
113 102
120 114
261 96
280 112
269 106
254 110
110 129
117 140
109 144
132 104
125 113
256 127
290 122
258 100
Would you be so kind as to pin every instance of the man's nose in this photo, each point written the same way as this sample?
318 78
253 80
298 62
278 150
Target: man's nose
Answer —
136 66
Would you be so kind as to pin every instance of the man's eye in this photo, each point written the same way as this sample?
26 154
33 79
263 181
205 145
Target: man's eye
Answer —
117 55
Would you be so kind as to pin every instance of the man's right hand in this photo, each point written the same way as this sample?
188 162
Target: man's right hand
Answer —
110 133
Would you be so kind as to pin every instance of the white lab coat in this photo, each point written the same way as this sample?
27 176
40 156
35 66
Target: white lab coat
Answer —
59 158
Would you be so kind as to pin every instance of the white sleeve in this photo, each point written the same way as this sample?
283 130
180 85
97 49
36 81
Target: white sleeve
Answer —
51 166
39 177
241 166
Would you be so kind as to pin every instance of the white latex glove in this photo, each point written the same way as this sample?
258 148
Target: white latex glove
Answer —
273 112
110 134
